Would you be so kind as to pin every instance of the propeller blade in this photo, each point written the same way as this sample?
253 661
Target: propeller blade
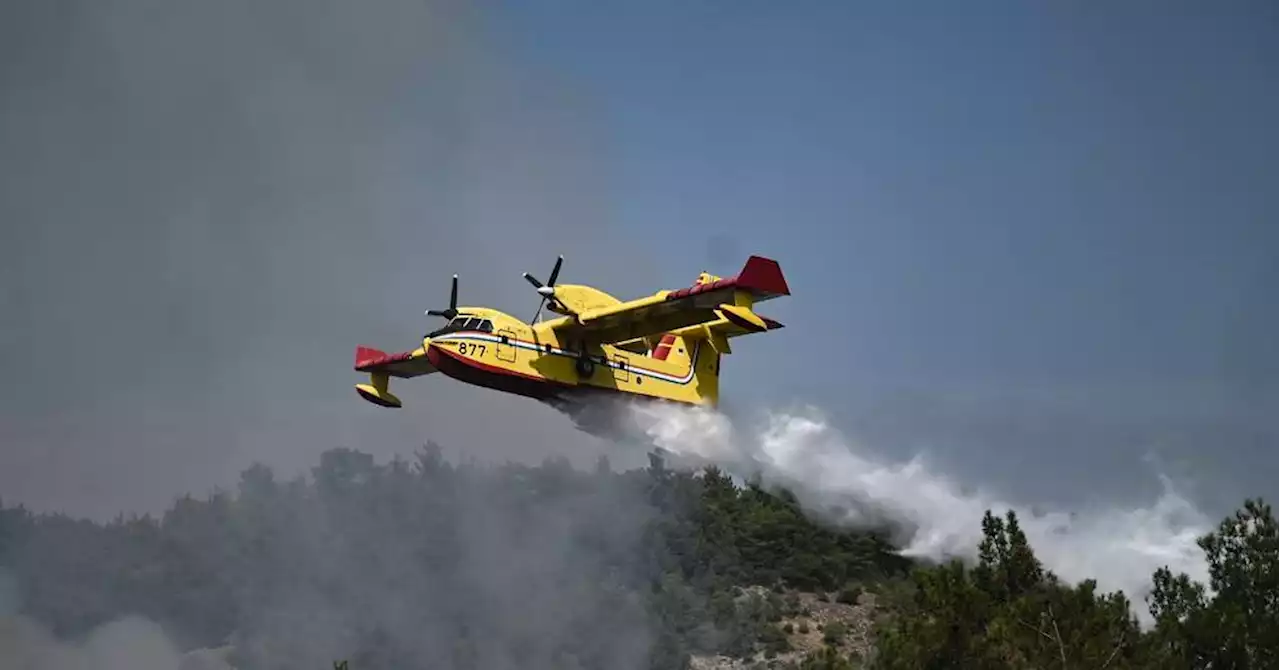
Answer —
555 272
548 290
539 312
453 303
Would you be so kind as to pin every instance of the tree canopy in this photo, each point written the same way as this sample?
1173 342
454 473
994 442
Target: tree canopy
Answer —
1009 612
413 562
421 562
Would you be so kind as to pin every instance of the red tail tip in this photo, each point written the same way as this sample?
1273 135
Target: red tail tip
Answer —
763 275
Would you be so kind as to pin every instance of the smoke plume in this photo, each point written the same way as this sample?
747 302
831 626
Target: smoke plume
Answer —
404 564
846 483
126 644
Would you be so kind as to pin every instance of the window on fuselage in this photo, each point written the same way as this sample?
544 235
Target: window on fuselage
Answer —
482 325
462 323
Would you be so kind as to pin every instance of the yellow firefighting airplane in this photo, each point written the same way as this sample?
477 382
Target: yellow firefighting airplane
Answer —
666 346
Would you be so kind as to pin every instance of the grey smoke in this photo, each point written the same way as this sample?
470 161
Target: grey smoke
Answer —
126 644
412 568
129 643
205 207
9 599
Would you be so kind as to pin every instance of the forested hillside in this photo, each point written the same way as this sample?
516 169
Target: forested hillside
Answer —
427 564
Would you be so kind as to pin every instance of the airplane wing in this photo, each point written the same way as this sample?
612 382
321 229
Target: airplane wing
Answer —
718 332
760 279
403 365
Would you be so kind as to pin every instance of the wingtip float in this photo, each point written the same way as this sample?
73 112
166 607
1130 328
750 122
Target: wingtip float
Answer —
666 346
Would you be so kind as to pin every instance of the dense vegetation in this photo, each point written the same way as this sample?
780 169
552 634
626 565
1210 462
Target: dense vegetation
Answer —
1010 612
428 564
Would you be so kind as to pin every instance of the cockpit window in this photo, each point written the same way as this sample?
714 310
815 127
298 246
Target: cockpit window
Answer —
461 323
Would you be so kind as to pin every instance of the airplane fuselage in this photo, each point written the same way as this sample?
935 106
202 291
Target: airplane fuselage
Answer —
530 361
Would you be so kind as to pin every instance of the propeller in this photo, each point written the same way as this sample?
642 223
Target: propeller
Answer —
548 290
453 303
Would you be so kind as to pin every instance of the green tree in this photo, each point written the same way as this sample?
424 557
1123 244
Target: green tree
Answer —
1237 626
1008 612
1007 567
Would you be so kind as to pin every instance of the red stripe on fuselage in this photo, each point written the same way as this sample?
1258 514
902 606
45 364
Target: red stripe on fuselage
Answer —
469 370
472 371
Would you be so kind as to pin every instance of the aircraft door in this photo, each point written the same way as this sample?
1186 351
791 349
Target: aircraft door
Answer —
506 346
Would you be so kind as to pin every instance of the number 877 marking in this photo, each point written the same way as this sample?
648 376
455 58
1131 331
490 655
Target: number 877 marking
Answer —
469 348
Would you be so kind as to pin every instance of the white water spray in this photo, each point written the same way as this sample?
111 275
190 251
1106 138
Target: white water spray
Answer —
1119 548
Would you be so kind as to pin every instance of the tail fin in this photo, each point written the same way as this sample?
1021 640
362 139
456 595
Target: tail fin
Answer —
702 355
704 344
706 371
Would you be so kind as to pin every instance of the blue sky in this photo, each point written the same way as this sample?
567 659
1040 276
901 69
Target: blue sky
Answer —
1062 205
1093 178
1030 239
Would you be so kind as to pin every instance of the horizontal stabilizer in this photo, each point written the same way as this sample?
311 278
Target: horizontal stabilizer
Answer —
743 318
727 328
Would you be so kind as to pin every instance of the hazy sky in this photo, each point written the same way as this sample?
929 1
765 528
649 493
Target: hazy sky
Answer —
1030 239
